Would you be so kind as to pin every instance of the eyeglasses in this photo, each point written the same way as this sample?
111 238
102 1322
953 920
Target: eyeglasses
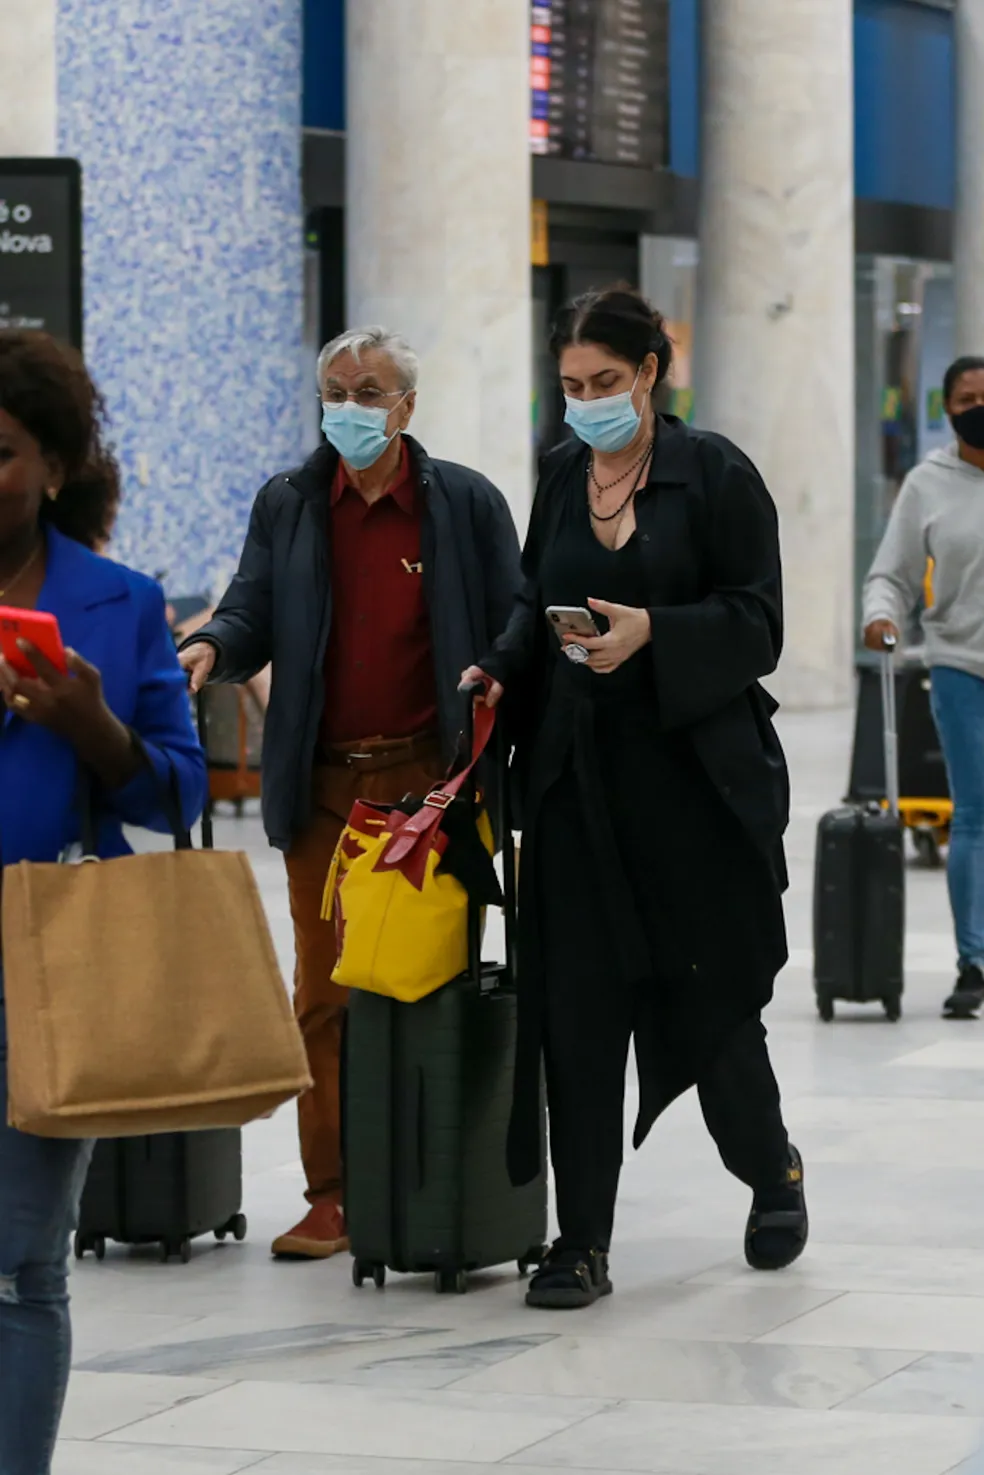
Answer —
368 397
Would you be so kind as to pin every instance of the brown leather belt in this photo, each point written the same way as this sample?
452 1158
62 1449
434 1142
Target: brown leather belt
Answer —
373 754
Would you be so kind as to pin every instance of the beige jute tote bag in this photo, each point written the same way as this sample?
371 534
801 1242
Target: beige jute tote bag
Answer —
143 995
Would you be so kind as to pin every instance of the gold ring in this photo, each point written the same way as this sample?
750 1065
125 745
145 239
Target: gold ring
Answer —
21 702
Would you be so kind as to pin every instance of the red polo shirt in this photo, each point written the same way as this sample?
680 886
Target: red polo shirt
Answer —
379 667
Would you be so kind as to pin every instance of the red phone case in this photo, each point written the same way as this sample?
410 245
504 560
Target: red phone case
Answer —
40 629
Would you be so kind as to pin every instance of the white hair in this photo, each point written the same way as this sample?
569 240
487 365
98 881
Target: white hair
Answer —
357 340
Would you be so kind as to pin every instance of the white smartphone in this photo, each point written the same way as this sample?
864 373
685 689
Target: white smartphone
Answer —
572 620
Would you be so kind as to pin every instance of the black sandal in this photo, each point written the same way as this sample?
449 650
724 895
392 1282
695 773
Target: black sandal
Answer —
570 1279
787 1228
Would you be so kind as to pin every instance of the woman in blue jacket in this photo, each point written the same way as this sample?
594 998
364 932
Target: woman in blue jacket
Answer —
58 495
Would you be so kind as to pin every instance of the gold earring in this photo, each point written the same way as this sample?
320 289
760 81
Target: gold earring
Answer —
53 494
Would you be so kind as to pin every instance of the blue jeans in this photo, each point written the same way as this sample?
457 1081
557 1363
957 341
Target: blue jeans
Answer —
41 1183
958 707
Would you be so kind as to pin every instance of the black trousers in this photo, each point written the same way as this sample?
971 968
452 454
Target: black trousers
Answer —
695 1018
586 1067
590 1018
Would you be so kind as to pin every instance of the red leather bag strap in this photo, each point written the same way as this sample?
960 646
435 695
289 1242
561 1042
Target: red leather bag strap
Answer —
427 819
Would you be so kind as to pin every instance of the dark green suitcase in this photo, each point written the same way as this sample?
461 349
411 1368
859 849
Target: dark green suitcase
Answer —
429 1091
428 1094
164 1190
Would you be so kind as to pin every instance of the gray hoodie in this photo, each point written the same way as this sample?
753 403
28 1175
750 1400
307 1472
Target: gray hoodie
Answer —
939 515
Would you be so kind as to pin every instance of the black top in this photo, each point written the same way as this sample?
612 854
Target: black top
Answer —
635 778
576 568
708 538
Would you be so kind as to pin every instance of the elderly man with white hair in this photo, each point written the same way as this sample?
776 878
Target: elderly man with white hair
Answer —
371 577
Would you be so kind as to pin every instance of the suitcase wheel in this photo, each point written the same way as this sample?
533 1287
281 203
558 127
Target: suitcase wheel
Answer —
179 1247
237 1227
451 1282
363 1270
825 1008
96 1243
893 1010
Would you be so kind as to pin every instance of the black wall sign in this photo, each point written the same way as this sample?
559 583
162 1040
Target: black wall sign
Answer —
41 246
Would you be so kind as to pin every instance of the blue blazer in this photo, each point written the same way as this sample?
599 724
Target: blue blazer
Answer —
115 619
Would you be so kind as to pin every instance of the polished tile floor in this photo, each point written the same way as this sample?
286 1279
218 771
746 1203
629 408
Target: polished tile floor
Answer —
865 1359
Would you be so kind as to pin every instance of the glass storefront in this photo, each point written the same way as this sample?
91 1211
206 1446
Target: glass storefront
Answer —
904 339
668 277
904 343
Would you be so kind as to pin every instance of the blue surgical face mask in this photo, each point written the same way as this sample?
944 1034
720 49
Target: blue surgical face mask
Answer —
358 435
606 424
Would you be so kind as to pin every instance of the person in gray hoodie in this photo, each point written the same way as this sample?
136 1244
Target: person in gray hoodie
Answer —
939 516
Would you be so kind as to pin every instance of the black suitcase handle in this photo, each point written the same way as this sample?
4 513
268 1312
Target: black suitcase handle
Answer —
201 717
507 841
416 1119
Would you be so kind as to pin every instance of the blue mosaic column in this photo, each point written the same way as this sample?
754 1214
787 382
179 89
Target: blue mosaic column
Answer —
186 118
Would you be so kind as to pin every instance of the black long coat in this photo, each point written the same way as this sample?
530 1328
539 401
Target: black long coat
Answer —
708 537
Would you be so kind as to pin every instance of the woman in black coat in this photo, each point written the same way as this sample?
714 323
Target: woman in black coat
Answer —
654 795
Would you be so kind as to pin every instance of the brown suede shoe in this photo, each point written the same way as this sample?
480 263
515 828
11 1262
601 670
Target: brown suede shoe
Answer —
320 1234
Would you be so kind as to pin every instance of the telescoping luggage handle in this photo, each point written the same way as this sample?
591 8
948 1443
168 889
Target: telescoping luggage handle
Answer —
887 660
507 841
208 834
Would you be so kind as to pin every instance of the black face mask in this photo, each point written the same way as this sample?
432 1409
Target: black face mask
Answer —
969 425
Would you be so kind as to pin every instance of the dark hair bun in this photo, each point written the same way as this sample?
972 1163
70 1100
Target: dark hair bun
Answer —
620 319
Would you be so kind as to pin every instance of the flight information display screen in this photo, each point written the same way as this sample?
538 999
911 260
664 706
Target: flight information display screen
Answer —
599 80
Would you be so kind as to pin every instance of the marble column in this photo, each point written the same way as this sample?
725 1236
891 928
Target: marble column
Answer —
969 236
186 119
438 216
28 112
775 302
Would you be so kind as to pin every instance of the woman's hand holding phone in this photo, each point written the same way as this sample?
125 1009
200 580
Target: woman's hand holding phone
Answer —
629 629
71 704
63 701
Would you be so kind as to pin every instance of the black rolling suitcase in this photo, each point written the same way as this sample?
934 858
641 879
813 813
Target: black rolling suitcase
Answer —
859 891
924 786
167 1189
164 1190
427 1103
